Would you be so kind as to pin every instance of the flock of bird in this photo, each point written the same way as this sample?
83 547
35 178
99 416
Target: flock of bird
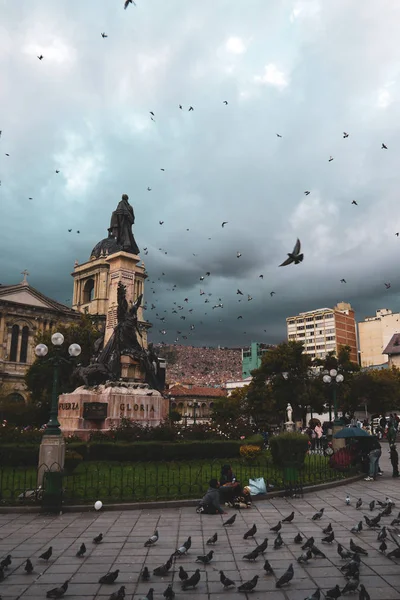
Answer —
351 569
183 332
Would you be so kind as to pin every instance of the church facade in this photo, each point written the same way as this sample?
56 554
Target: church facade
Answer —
24 312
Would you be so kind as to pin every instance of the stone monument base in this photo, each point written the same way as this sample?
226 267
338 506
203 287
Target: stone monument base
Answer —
51 455
102 407
289 426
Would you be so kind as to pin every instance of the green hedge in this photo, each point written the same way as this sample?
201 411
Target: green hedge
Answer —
12 455
288 449
20 456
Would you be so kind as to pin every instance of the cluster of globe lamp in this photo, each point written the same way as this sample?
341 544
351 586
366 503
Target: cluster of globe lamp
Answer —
57 339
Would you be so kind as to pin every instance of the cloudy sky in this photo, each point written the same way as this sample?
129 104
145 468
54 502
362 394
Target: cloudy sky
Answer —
308 70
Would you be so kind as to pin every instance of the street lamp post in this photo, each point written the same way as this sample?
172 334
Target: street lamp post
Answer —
334 378
41 350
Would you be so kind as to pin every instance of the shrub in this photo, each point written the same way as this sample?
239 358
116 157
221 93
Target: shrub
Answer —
256 440
72 460
156 451
12 455
288 449
250 452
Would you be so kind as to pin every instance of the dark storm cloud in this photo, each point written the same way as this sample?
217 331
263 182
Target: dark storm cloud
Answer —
307 70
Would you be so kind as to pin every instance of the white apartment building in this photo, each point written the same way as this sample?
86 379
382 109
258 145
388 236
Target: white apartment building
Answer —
374 334
325 330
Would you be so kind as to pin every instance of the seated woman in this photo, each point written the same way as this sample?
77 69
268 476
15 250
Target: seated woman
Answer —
209 505
231 491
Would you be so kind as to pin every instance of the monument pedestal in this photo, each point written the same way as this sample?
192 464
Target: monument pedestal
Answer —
337 443
51 455
102 407
289 426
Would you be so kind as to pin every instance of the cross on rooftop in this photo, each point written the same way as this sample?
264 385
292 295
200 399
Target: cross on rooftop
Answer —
24 273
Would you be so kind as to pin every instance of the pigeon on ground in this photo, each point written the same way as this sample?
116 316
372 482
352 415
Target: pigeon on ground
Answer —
357 528
372 505
363 595
261 548
6 562
58 592
180 551
98 539
351 585
305 557
286 577
251 532
315 596
252 555
109 577
81 550
372 523
268 569
119 594
317 552
343 553
152 539
294 256
248 586
347 500
28 566
288 519
383 547
278 542
230 521
328 529
334 593
394 553
226 582
357 549
206 558
2 576
188 543
149 595
169 593
277 527
191 581
162 570
308 543
46 555
182 574
395 522
211 541
318 515
329 538
298 539
359 503
145 575
382 534
388 509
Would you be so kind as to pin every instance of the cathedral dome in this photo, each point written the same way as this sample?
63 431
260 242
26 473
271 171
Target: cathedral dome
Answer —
107 246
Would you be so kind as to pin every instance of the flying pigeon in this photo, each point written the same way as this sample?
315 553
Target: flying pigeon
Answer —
277 135
40 57
127 3
345 135
104 35
384 147
294 256
330 159
387 285
307 193
190 108
224 223
354 202
225 102
238 254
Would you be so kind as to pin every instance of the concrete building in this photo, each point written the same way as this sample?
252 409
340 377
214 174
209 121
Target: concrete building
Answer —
234 385
392 351
251 357
374 334
325 330
24 312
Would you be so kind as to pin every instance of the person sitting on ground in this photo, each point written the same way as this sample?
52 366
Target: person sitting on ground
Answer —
209 504
231 491
394 459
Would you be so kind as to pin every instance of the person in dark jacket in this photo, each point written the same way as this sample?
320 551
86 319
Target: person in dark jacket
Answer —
209 504
394 459
374 454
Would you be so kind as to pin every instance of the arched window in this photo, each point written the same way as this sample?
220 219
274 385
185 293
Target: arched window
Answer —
14 343
24 344
16 397
88 291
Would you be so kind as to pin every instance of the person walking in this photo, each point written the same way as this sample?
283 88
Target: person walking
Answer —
374 456
394 459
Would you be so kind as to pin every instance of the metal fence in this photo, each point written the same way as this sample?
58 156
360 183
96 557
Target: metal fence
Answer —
149 481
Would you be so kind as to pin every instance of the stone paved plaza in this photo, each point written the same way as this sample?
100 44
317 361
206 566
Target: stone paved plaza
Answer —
125 532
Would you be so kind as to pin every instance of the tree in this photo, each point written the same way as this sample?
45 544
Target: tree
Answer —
348 369
285 377
379 390
39 376
231 407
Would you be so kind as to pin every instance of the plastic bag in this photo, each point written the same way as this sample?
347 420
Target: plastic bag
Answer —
257 486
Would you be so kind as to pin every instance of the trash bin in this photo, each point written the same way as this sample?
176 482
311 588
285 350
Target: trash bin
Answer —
52 492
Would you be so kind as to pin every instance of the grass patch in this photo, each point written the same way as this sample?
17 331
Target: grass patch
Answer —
137 481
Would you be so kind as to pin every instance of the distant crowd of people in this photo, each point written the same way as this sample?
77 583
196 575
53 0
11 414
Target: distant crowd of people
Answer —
203 366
